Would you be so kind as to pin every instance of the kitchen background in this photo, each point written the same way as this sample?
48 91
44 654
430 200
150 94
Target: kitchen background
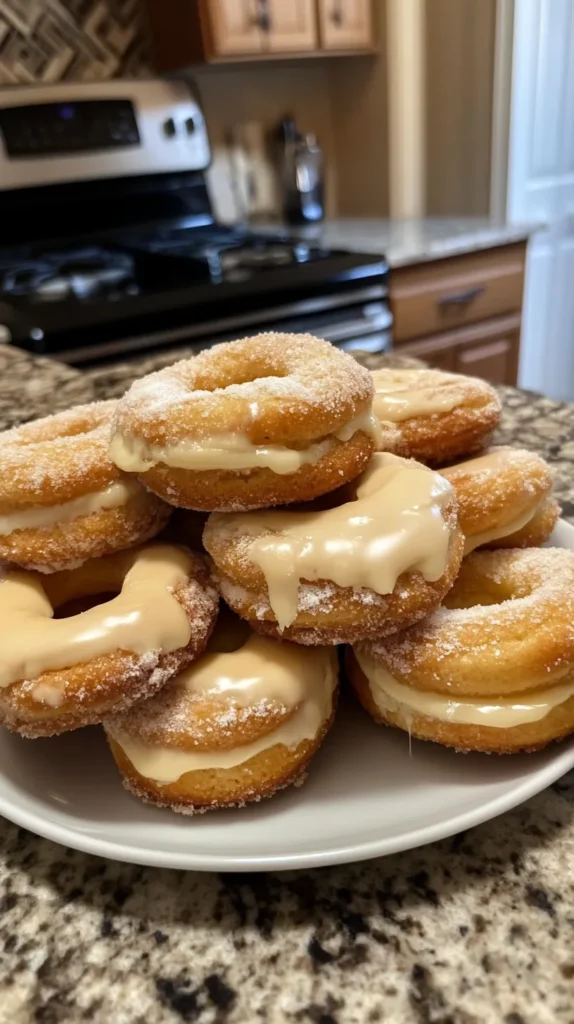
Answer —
432 109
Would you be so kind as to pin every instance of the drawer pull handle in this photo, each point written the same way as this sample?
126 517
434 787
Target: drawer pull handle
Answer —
462 298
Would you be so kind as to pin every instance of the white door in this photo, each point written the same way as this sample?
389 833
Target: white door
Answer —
541 187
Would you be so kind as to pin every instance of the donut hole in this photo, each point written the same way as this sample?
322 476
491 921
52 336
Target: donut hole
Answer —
76 590
472 589
229 635
218 379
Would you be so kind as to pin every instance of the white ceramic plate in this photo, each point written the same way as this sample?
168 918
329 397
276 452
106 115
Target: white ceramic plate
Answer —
367 794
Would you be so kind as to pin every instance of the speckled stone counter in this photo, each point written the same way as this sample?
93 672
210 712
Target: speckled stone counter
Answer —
477 929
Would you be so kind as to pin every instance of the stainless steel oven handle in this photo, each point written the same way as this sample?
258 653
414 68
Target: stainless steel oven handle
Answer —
380 341
338 332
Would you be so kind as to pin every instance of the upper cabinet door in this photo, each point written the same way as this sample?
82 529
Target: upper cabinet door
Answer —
345 24
237 27
292 25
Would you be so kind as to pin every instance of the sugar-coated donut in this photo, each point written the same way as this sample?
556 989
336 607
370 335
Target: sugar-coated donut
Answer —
62 500
433 416
240 724
491 671
504 499
380 559
268 420
61 673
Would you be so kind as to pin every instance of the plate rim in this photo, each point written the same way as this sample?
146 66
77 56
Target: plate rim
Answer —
68 836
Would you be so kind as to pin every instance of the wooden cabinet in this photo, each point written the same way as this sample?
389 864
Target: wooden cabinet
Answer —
494 356
345 24
462 314
292 25
489 350
236 27
185 32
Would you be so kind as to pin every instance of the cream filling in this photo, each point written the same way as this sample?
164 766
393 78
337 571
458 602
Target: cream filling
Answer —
476 540
144 617
230 451
403 394
39 516
495 712
165 765
395 525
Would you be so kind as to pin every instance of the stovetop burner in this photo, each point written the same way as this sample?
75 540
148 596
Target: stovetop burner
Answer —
85 273
228 254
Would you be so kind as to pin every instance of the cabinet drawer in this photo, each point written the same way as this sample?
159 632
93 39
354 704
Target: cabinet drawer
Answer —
489 350
436 297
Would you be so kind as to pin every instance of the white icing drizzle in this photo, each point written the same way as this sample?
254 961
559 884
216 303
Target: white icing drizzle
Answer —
145 616
230 451
495 712
404 394
40 516
394 525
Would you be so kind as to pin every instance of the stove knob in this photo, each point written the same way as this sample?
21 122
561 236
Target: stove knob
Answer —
169 128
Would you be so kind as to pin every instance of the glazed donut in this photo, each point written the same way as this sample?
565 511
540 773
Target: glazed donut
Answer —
379 560
58 674
432 416
504 499
62 500
494 669
269 420
240 724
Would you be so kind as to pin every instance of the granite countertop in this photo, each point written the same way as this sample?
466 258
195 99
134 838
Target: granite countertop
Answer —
407 242
476 929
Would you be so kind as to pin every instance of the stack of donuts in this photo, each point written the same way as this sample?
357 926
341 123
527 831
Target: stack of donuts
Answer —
320 510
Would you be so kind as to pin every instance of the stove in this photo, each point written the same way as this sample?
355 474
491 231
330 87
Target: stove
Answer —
109 246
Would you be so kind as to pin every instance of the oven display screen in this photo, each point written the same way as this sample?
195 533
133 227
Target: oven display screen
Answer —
49 129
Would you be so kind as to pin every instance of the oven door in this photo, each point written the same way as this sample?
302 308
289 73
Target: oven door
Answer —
366 328
356 320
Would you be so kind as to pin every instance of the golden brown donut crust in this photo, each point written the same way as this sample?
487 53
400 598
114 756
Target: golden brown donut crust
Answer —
438 438
519 602
506 629
69 544
328 614
221 490
212 789
536 532
198 723
525 738
274 389
492 498
56 460
109 683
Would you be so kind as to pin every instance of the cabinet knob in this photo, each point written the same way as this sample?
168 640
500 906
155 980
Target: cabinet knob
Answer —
262 18
337 13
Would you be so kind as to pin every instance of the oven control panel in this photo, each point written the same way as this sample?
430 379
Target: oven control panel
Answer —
85 131
45 129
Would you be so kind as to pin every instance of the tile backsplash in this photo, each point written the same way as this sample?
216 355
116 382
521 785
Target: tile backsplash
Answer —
65 40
